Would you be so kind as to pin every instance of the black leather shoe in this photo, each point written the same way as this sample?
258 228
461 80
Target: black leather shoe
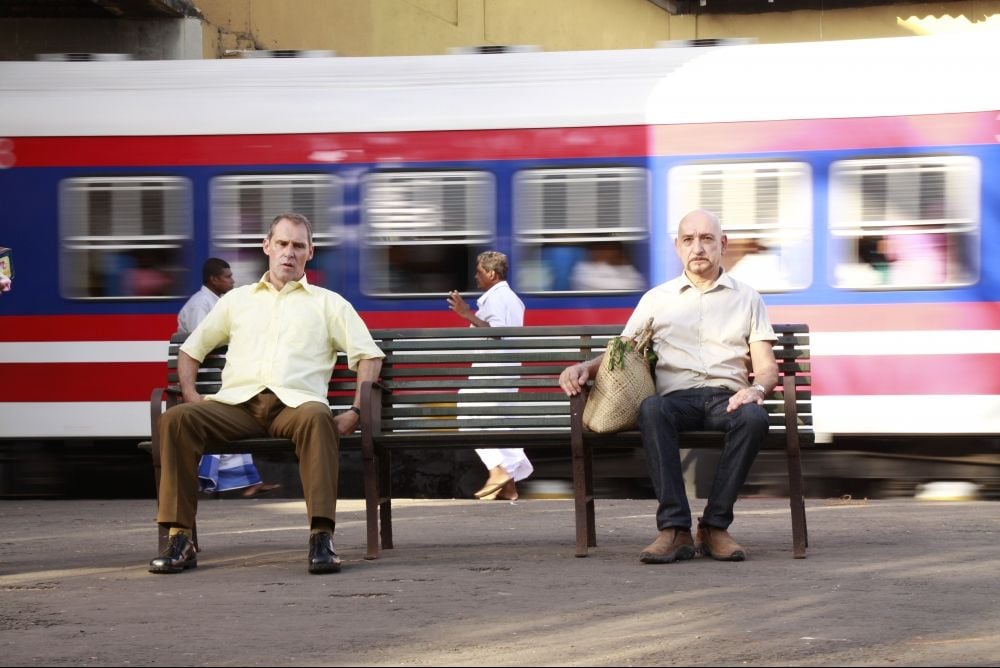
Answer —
322 558
176 557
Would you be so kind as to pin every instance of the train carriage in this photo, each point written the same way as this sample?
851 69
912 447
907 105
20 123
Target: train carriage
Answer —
857 181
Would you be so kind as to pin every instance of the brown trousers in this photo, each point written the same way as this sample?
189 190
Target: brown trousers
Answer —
186 429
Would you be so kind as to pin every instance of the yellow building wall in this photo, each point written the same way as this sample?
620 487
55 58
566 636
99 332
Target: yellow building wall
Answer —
413 27
868 22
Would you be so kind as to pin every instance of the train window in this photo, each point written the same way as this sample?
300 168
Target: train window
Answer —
422 231
766 212
124 237
244 205
581 230
904 223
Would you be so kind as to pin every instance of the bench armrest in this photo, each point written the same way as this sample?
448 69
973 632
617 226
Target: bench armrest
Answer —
577 403
371 406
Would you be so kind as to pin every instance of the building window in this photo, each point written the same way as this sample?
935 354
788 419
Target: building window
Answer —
905 223
244 205
124 237
581 230
422 231
766 213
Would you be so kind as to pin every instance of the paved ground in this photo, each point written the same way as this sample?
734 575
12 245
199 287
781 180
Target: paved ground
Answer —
472 583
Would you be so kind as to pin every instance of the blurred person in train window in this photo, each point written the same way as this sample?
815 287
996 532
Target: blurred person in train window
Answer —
558 261
283 336
146 279
709 330
871 251
219 473
606 268
498 306
5 284
754 261
916 257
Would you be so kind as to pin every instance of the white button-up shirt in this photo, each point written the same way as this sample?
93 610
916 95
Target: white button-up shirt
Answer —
195 309
500 307
702 339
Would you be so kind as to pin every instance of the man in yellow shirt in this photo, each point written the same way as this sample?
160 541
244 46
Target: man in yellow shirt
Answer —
283 335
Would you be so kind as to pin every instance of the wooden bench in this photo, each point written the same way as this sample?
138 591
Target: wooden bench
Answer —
454 388
789 408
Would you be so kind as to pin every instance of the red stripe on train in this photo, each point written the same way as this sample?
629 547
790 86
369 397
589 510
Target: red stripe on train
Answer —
85 381
906 374
146 327
975 128
338 148
509 144
892 317
835 318
837 375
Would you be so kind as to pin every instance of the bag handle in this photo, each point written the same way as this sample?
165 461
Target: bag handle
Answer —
644 337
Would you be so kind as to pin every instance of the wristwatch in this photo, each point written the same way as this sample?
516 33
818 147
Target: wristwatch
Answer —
760 388
355 410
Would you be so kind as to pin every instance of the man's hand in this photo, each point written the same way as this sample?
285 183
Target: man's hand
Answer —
459 305
347 422
748 395
192 397
573 379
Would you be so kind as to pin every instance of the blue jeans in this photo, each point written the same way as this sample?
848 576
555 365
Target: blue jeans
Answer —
662 418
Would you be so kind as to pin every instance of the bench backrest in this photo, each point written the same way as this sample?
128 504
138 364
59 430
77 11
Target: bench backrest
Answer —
436 377
507 380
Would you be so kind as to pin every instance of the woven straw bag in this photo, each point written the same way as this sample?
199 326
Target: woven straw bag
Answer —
623 381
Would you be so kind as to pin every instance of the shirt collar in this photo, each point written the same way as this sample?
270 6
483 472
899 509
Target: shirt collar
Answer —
264 284
493 288
724 280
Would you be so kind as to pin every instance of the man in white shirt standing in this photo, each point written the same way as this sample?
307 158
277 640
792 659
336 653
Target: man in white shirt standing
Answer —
498 306
216 280
219 473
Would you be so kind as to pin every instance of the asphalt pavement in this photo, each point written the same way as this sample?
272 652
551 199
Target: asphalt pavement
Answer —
473 583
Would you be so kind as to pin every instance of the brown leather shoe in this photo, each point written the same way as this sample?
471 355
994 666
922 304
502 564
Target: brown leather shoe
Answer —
672 544
718 544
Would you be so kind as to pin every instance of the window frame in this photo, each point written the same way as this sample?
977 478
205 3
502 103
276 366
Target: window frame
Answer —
75 211
536 239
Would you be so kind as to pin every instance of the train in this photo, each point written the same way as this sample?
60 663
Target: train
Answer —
858 182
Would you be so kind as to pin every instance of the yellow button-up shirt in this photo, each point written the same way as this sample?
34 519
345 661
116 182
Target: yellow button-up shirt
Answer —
702 339
286 341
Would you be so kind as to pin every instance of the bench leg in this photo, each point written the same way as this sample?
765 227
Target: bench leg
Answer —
583 497
371 498
797 505
796 488
385 500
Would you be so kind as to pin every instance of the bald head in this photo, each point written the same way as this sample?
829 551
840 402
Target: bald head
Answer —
700 244
700 218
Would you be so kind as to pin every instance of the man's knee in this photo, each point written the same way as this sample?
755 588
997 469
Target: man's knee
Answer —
649 409
314 412
177 418
753 418
314 420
